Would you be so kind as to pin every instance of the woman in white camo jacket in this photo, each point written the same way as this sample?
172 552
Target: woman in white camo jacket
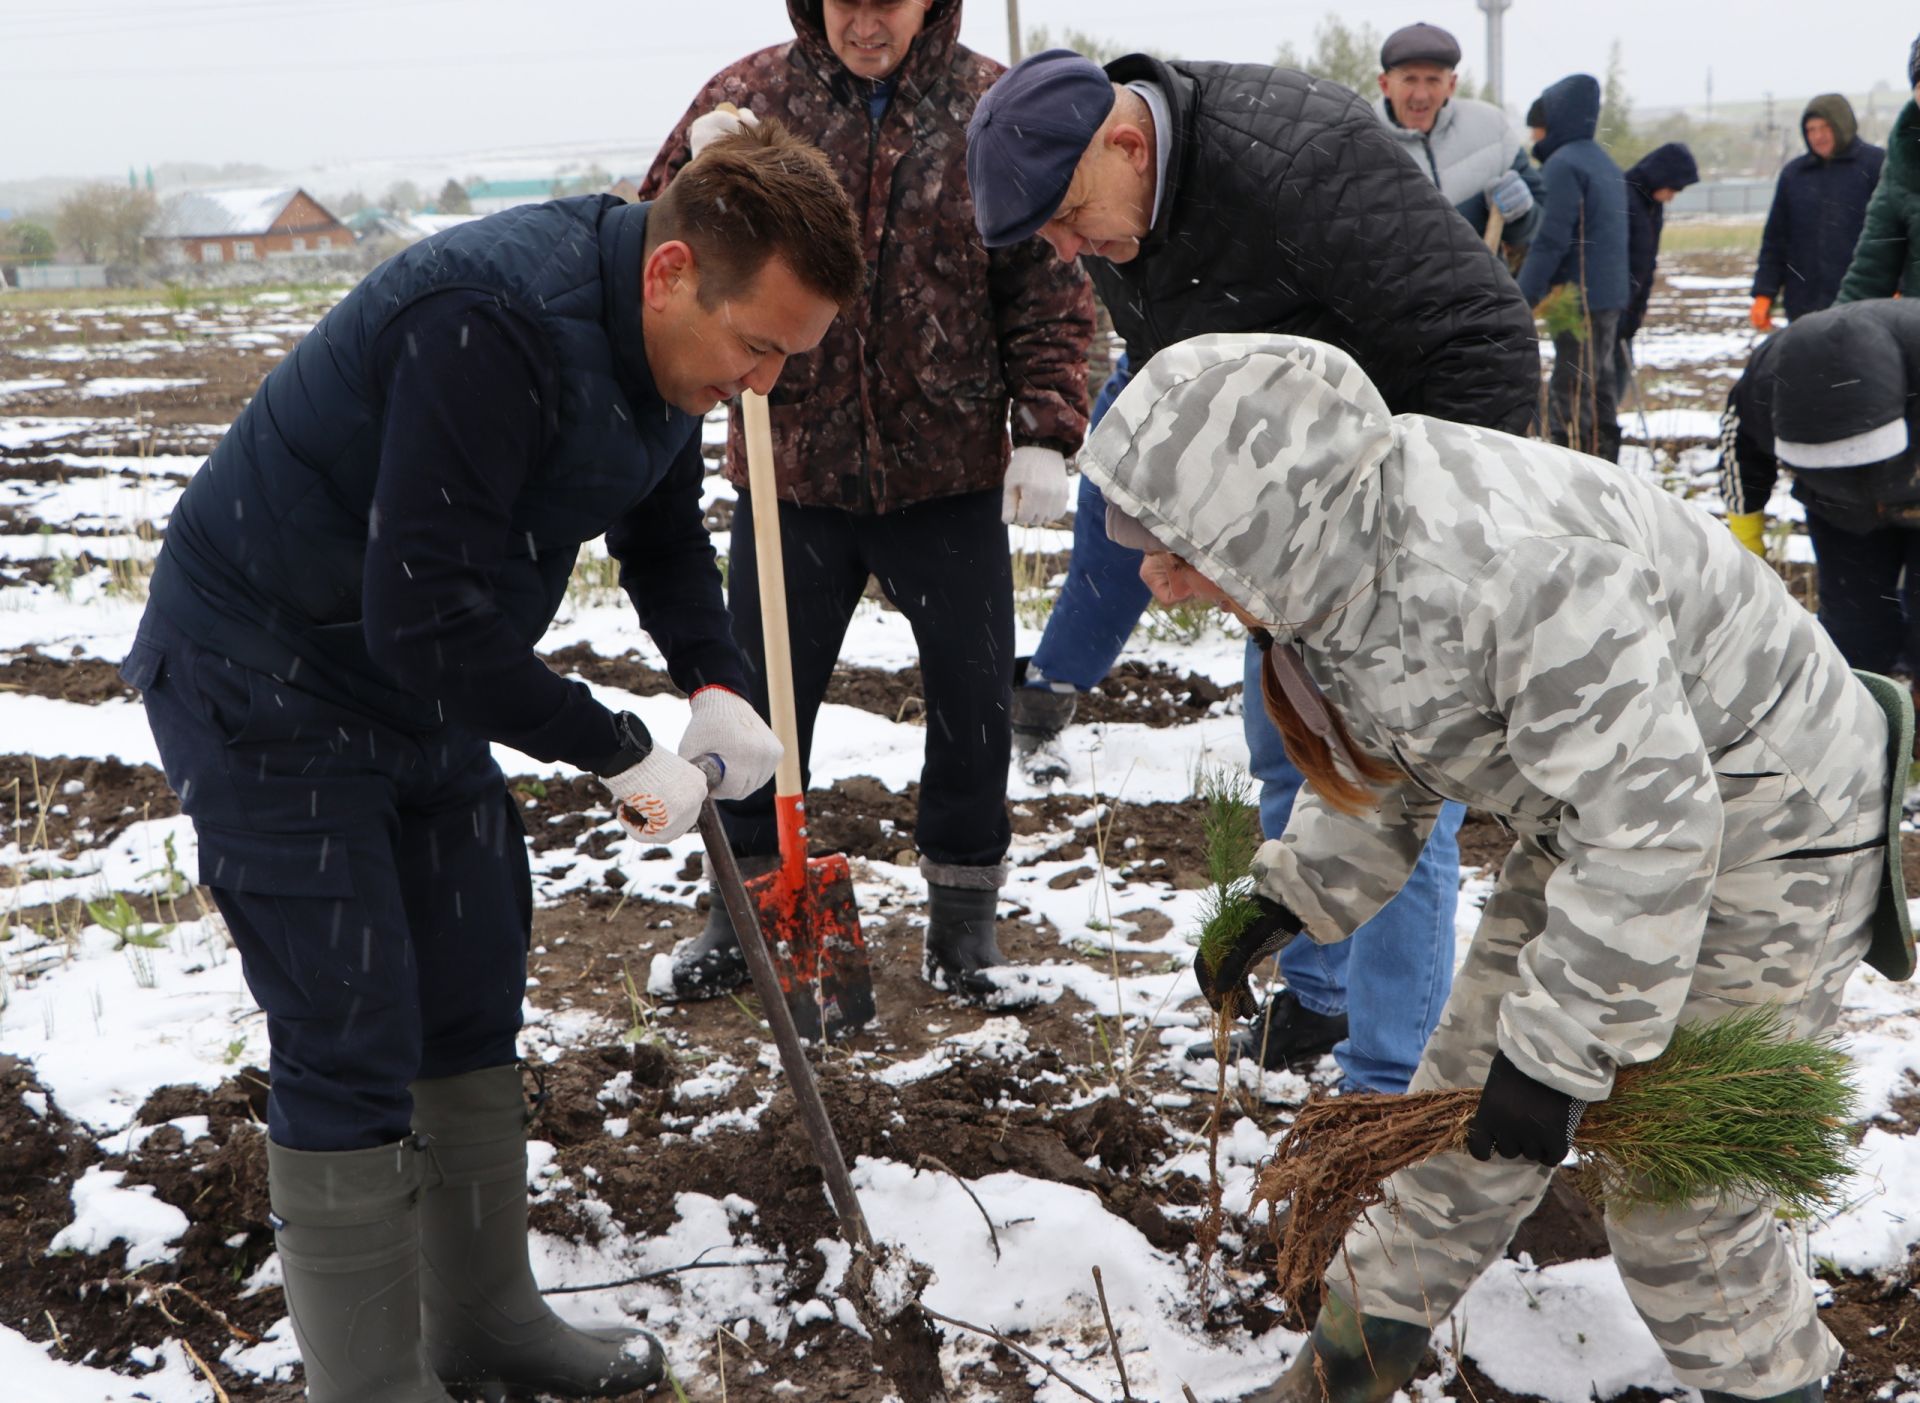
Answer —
1697 784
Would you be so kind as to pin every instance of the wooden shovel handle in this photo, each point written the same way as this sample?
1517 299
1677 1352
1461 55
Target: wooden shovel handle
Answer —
758 426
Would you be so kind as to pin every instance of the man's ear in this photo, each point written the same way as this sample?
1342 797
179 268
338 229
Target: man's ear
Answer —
667 269
1133 144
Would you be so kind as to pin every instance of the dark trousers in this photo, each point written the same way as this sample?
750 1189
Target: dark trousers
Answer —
375 882
1870 594
1583 391
946 565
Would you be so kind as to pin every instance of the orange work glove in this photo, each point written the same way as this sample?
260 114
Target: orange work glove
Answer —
1761 314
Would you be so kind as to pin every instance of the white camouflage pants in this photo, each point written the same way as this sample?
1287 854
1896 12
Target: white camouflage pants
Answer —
1715 1280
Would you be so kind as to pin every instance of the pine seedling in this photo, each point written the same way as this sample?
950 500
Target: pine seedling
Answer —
1732 1107
1231 828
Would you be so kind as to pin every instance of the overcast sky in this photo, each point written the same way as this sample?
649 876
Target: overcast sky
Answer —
93 86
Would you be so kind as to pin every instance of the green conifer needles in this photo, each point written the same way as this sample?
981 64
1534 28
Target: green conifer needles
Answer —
1231 828
1733 1106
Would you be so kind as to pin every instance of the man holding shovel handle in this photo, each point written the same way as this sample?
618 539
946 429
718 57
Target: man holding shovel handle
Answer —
342 622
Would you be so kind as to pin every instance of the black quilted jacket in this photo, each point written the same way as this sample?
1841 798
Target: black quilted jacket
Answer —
1289 208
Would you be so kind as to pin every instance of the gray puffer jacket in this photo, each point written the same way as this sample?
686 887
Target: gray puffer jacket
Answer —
1471 146
1536 633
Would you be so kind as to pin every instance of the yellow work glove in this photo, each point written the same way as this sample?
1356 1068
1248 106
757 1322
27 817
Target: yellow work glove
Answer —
1749 529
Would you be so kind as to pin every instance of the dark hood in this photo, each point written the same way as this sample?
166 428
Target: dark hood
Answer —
1838 113
926 57
1571 109
1669 167
1838 374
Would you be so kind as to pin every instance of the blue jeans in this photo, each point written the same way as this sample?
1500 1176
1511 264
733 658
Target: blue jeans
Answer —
1103 598
1392 977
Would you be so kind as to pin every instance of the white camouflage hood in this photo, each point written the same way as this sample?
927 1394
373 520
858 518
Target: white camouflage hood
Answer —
1256 458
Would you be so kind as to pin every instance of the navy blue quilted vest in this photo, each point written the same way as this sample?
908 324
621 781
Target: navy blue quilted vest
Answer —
265 551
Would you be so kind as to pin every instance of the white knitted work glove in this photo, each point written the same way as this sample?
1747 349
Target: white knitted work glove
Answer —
1036 489
711 125
725 724
659 798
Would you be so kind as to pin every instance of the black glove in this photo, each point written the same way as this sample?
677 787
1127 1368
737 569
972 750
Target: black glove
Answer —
1223 978
1521 1118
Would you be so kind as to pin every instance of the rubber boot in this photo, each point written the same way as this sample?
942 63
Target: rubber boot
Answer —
960 940
1286 1034
347 1225
1814 1392
484 1319
711 963
1040 711
1350 1359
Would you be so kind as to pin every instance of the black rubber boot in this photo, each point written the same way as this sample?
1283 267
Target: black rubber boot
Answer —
1039 714
347 1225
484 1320
1814 1392
1286 1034
1349 1359
960 941
711 963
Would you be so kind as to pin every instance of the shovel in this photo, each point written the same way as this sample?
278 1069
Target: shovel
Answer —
806 907
884 1285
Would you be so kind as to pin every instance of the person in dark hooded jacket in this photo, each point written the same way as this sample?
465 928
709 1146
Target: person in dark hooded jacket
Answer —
1655 179
1819 206
1836 398
1581 244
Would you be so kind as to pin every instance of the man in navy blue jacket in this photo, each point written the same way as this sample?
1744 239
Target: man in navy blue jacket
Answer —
343 618
1581 245
1819 208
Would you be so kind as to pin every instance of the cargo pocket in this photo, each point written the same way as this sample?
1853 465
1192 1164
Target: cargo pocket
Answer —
274 864
143 665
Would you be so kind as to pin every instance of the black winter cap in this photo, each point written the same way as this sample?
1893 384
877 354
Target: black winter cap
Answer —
1913 65
1840 390
1420 43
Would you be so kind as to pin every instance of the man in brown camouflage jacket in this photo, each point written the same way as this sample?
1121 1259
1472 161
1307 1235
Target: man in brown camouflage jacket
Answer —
891 439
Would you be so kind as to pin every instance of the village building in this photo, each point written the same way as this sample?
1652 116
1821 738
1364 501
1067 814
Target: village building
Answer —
240 226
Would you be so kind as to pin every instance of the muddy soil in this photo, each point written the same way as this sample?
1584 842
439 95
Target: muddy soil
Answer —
67 805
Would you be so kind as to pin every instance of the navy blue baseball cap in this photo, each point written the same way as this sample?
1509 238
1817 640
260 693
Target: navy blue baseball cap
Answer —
1027 135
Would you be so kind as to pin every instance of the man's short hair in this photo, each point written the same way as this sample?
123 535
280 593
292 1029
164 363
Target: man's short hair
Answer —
749 196
1420 43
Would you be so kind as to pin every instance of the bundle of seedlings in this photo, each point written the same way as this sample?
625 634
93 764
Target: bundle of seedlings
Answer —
1733 1106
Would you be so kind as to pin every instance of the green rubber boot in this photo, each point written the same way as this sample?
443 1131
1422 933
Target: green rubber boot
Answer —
485 1321
347 1226
1348 1359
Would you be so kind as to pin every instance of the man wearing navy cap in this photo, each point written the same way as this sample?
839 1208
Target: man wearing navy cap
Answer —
1207 197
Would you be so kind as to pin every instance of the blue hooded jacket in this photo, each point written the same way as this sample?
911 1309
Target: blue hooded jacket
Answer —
1669 167
1583 238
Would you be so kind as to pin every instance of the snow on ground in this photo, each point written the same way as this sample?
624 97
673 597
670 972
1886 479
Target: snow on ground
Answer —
105 1021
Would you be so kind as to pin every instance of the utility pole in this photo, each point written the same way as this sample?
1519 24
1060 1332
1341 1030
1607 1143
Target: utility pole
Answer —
1496 48
1013 32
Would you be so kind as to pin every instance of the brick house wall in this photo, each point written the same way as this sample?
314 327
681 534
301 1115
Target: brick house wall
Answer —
302 227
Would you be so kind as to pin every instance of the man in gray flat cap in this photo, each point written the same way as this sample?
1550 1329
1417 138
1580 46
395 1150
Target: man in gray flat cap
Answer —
1472 150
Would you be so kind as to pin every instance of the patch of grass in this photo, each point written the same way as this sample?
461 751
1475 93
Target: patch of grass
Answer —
595 582
1694 234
